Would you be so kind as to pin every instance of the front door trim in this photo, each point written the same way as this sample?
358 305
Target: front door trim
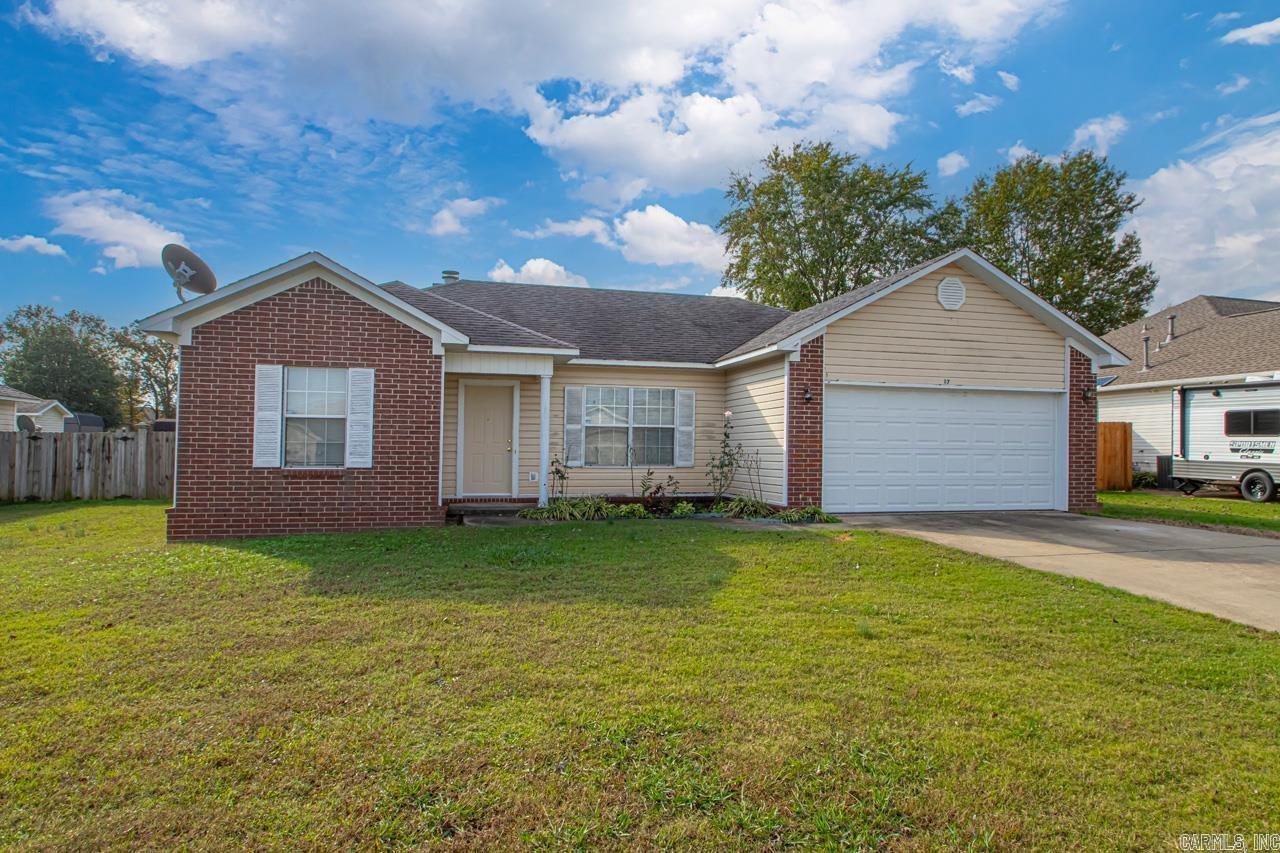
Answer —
460 429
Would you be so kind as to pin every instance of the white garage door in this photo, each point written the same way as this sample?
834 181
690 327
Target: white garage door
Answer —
894 450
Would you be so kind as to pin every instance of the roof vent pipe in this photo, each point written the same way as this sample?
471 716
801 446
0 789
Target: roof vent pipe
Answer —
450 276
1146 352
1170 336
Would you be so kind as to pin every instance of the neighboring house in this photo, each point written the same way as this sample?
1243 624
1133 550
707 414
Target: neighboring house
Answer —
313 399
47 415
1208 339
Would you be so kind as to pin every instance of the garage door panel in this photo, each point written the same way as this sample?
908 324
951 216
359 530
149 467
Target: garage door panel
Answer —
918 450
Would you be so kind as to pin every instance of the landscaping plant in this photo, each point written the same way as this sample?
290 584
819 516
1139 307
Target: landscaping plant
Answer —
683 509
806 515
724 463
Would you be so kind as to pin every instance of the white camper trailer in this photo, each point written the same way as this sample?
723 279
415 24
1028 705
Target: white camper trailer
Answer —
1227 435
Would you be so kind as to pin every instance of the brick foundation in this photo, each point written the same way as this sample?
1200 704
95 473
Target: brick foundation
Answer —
1082 434
804 426
219 492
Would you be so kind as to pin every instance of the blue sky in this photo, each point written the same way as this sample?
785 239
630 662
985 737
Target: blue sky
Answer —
590 142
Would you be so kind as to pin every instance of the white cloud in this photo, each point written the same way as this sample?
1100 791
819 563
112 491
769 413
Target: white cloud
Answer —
111 219
726 290
1238 84
1012 82
1211 224
1265 33
666 95
1100 133
963 73
586 226
950 164
1017 151
536 271
655 235
30 243
1223 18
977 104
451 218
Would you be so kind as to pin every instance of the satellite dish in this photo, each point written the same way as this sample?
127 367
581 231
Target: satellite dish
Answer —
187 270
25 424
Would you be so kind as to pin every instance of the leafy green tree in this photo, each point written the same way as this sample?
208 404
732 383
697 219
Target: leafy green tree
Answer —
820 222
1057 227
67 358
149 368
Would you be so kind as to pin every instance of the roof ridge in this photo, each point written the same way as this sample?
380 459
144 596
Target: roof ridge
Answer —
535 332
598 290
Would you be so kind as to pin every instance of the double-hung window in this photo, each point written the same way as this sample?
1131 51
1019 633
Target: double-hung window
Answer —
315 417
312 417
613 426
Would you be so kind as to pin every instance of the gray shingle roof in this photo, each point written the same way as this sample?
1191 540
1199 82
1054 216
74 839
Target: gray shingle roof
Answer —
612 324
8 393
481 327
1214 336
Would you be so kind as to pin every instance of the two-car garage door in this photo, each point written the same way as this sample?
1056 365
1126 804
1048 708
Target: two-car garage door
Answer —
909 449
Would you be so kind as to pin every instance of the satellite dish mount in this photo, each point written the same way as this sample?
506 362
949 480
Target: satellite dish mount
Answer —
188 271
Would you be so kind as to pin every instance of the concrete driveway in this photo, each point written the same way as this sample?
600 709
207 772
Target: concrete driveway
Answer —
1230 575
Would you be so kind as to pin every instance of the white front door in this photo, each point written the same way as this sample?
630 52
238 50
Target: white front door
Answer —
922 450
486 448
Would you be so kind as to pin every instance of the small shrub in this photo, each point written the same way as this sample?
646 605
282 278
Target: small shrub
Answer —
628 511
747 508
1145 480
806 515
570 509
683 509
658 497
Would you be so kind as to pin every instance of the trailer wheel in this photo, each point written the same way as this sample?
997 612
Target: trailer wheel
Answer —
1257 486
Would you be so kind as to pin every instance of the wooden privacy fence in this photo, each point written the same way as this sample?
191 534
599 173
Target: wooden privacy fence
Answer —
89 465
1115 456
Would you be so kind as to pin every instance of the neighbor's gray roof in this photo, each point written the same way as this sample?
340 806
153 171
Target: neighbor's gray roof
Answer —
8 393
612 324
1214 336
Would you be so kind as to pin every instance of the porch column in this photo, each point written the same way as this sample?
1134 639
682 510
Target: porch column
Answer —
544 435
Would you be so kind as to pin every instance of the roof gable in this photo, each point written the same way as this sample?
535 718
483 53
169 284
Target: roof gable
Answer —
177 322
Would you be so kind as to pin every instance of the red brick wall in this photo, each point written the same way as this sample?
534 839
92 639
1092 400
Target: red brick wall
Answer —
221 494
1082 434
804 427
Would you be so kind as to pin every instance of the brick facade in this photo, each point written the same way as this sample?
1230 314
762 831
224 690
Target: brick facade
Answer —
1082 434
804 426
220 493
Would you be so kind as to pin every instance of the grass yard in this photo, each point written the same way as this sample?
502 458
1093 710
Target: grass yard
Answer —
1200 510
624 684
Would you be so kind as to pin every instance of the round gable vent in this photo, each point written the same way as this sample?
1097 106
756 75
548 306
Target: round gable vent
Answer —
951 293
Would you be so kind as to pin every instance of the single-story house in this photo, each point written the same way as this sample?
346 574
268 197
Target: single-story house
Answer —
47 415
313 399
1205 340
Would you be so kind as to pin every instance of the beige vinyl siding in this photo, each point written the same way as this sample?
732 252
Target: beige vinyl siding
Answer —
907 337
50 421
709 406
8 416
756 395
528 429
1150 411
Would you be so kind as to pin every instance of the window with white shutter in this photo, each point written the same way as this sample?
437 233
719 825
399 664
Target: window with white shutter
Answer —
360 417
613 427
267 394
315 417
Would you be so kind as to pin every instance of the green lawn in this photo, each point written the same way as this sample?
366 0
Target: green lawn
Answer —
625 684
1179 508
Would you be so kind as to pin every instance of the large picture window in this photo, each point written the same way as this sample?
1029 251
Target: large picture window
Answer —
315 417
1252 422
622 426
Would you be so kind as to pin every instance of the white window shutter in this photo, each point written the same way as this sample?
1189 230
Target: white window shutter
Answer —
573 431
684 428
360 417
268 396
